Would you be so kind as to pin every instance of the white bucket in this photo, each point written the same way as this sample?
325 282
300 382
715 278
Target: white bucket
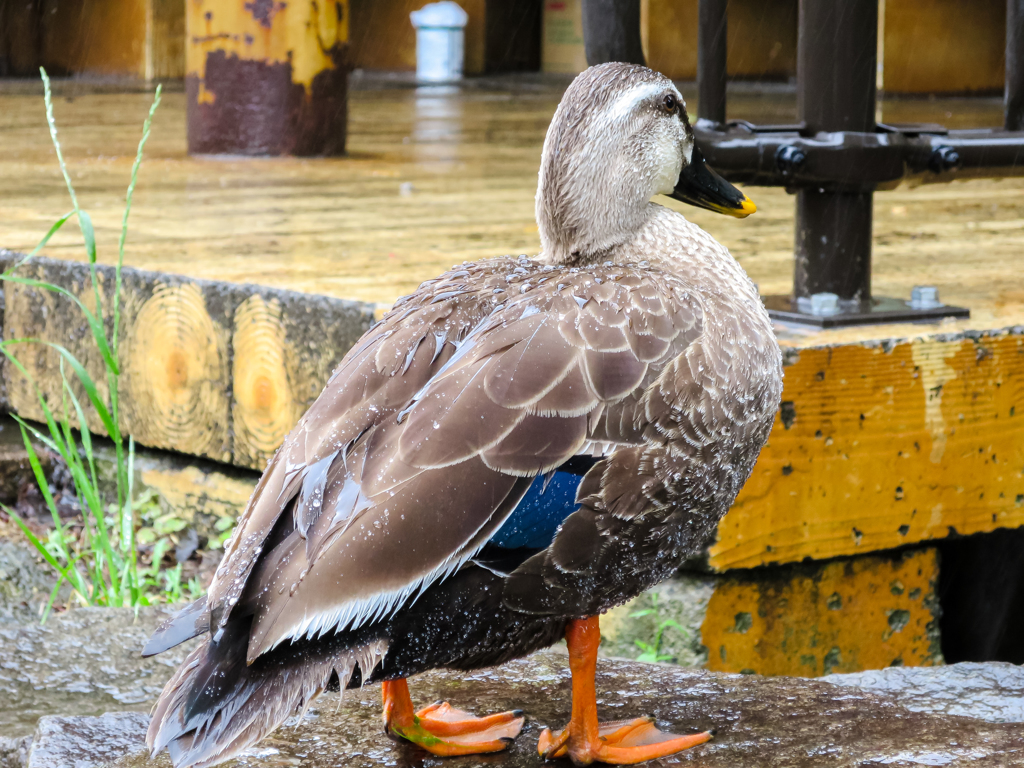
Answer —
440 30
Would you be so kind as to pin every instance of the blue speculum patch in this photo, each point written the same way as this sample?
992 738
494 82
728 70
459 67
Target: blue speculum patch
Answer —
542 510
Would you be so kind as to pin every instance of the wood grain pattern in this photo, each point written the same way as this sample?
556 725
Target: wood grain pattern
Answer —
265 406
209 369
175 360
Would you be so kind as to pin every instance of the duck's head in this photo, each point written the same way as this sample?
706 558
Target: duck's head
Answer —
619 137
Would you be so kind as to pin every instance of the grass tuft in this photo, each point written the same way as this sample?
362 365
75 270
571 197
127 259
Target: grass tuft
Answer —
100 562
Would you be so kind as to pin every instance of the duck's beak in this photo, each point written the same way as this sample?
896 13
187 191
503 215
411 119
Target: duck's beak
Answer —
700 186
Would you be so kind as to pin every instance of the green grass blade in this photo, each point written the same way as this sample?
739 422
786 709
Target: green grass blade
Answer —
44 486
89 235
83 486
39 546
35 433
53 596
83 376
86 435
128 513
68 572
95 324
127 209
42 243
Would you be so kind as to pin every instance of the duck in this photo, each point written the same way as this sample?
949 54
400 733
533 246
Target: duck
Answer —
516 447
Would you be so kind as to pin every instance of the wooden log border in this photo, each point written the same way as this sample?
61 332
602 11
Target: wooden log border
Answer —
212 369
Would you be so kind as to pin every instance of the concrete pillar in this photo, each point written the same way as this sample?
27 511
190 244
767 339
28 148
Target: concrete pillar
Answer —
267 77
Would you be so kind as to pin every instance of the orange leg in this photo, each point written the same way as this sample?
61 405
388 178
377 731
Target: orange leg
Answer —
443 730
586 741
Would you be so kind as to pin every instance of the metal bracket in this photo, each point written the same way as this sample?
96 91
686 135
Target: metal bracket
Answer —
858 161
826 311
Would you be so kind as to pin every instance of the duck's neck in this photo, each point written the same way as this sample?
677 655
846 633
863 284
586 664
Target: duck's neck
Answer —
659 236
589 208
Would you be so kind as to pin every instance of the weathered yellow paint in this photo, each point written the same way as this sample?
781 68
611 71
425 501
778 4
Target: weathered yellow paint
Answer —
844 616
265 406
299 32
881 445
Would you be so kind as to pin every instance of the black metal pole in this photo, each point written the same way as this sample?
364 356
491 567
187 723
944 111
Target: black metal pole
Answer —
1014 97
836 70
711 60
611 31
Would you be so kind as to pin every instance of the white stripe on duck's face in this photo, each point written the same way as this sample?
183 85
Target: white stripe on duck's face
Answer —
665 144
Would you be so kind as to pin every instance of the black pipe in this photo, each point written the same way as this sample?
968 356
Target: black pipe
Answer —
836 71
833 244
711 60
1014 95
611 31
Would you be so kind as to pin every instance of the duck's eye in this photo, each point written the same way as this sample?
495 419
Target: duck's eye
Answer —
670 103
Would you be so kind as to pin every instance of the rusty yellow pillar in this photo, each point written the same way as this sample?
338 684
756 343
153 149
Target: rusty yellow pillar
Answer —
267 77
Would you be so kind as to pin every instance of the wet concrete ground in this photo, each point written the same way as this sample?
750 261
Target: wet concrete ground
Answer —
761 722
436 176
85 663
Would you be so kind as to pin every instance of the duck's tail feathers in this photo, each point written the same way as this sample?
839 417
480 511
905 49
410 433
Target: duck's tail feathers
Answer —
191 621
215 705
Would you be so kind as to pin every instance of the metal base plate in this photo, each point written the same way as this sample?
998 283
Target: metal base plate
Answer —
878 310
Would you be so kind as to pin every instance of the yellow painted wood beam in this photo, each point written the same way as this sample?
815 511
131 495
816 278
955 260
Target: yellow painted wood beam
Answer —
845 616
883 444
849 615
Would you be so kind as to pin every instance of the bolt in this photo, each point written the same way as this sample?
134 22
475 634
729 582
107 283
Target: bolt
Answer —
789 159
824 304
924 297
943 159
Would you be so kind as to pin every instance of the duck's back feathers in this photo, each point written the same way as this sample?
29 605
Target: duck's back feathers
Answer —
432 430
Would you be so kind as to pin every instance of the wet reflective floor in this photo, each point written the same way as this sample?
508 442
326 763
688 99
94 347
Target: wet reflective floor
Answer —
436 176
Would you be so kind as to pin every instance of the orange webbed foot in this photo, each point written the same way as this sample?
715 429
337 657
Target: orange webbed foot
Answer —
623 742
584 740
445 731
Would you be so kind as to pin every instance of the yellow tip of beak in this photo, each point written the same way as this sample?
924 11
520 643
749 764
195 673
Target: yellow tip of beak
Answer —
746 208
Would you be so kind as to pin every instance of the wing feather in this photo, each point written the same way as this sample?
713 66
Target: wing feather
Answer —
432 429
